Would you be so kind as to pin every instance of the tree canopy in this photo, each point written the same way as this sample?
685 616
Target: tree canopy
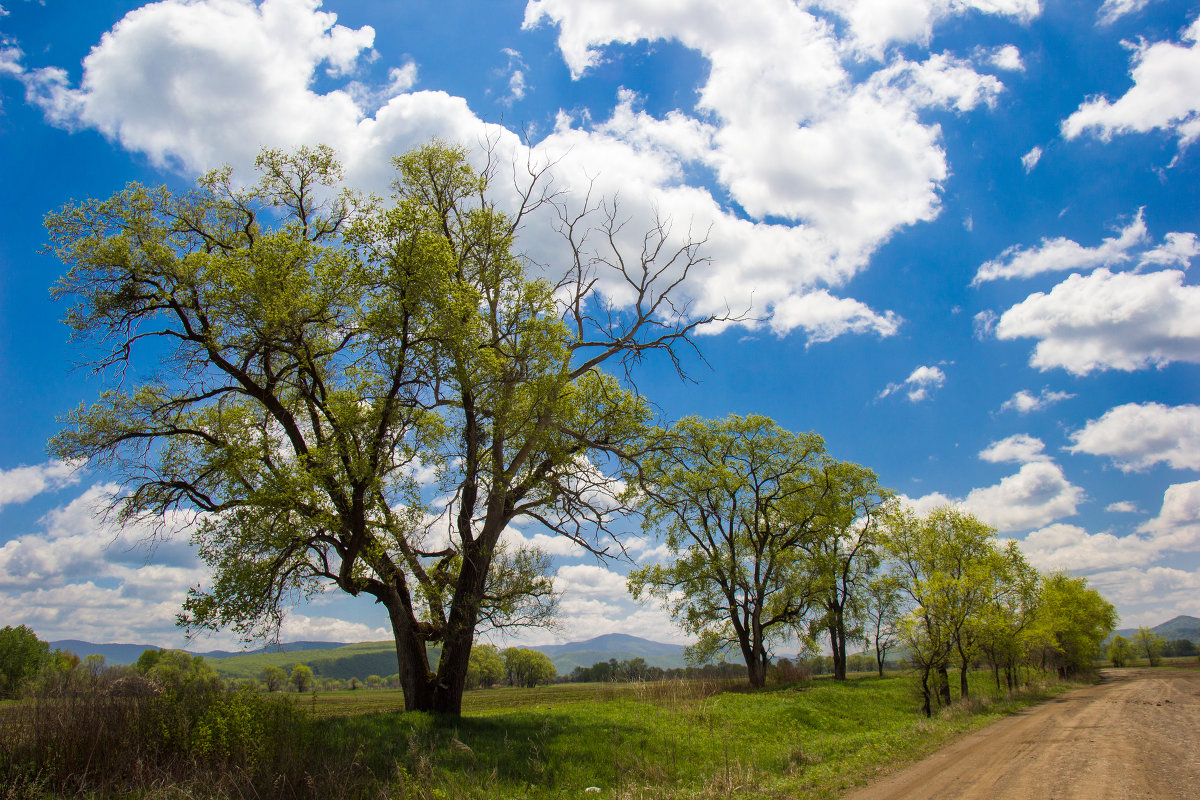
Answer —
285 359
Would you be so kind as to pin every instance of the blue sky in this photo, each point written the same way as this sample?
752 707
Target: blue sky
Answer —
964 227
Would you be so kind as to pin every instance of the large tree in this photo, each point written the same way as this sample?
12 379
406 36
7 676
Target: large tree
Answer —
733 500
287 358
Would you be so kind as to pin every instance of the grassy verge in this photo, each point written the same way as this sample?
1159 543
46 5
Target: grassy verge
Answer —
670 740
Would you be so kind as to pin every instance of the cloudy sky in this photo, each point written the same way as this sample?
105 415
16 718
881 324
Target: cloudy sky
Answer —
964 228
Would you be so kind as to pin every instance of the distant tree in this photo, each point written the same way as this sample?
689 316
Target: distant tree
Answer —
273 678
301 677
486 667
881 611
178 668
525 667
1150 645
733 499
1120 651
148 659
1180 647
22 655
374 681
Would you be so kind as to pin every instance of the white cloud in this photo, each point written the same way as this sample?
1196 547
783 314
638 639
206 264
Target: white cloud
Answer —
1177 526
875 24
1123 507
591 581
1139 435
298 627
984 324
1031 159
1177 250
1060 254
1113 10
1069 547
1020 448
920 383
24 483
1024 402
1165 95
824 317
1124 321
1008 58
1037 495
1149 596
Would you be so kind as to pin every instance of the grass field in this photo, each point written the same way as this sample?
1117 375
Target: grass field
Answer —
651 740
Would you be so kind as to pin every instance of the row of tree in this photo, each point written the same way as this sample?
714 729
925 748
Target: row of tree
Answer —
290 358
772 539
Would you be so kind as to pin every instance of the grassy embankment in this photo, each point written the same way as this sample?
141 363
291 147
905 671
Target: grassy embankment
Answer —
654 740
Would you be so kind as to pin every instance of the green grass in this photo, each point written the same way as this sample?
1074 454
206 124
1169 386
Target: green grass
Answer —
652 740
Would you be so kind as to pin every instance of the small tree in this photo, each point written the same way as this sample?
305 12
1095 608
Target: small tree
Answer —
1150 644
1120 651
525 667
273 678
881 612
301 677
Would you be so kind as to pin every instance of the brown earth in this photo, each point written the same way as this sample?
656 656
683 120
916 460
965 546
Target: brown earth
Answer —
1136 734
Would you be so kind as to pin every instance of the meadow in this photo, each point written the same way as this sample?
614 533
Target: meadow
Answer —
704 739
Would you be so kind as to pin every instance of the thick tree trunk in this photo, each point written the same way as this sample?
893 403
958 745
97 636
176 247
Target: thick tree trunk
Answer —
412 659
964 691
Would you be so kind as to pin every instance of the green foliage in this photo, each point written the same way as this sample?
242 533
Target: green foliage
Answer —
1119 651
274 678
1150 645
733 500
528 668
486 667
22 656
1073 622
301 677
324 348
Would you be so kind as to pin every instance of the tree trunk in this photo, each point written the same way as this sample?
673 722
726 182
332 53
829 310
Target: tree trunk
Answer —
964 691
943 683
926 699
837 638
413 662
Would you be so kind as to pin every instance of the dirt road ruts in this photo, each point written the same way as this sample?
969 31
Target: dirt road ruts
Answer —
1134 735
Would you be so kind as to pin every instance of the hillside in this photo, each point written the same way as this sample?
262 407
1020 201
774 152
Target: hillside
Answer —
128 653
1182 627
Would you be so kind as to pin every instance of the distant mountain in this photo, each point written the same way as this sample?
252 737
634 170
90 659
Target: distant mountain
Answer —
128 653
620 646
358 660
1182 627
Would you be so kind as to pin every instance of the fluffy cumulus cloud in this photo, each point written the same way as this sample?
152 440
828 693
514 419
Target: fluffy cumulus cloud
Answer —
1123 507
1061 254
1025 402
1177 526
826 162
24 483
1165 94
1147 596
876 24
919 385
1105 320
1020 448
1139 435
1035 496
1070 547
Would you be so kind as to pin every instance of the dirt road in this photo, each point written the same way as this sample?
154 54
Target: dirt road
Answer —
1134 735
